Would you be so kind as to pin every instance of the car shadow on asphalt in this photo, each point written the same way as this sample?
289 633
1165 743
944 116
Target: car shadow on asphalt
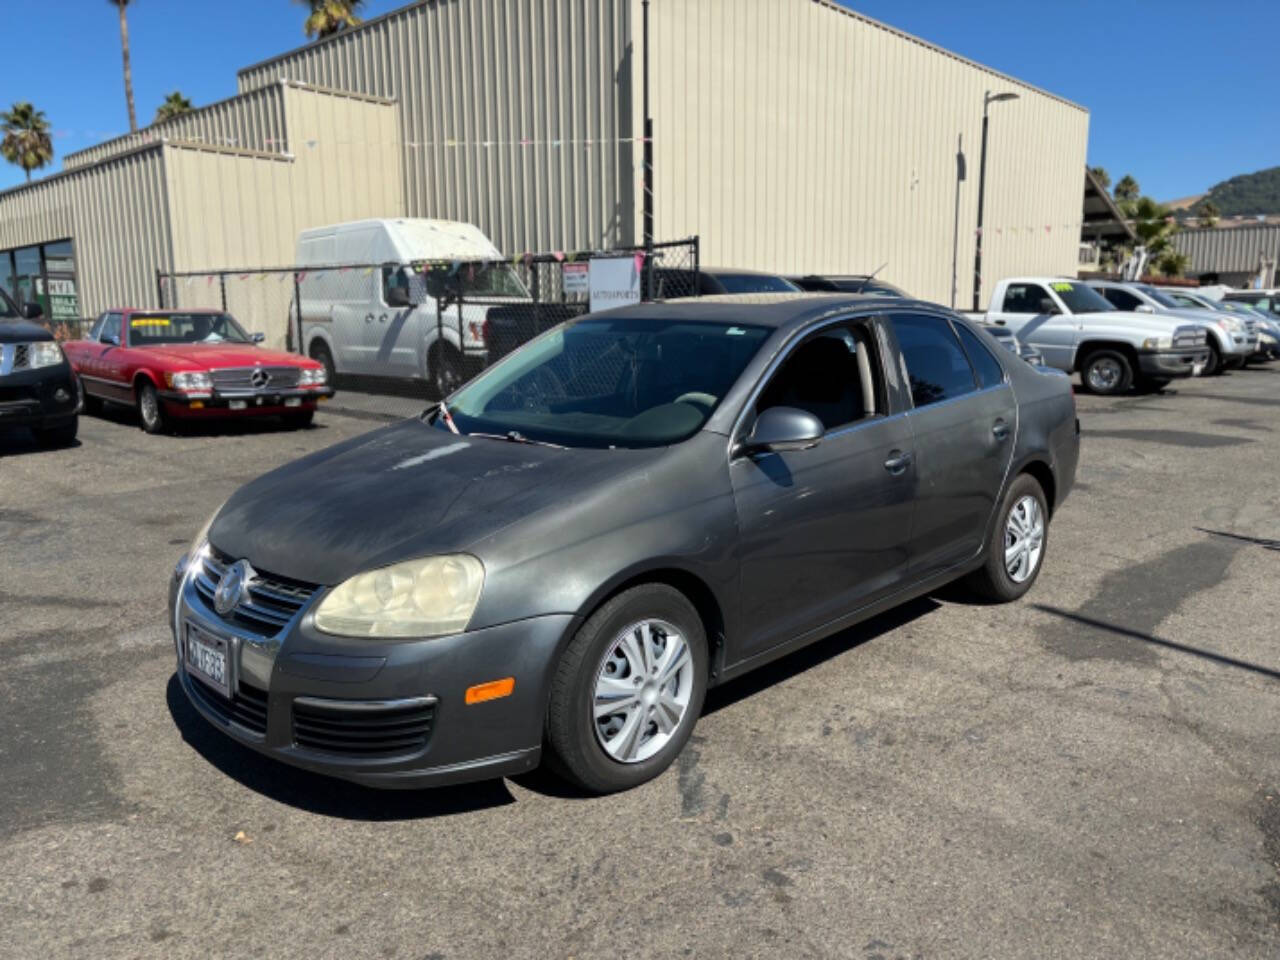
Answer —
318 794
21 443
212 427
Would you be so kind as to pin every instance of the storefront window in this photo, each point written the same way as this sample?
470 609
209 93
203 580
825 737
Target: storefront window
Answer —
43 274
27 281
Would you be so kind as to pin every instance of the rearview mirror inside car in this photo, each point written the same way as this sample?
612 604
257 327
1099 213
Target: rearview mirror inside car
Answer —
1048 306
257 337
779 429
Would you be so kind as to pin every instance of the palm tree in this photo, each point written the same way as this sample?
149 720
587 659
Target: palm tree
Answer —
175 105
128 71
26 137
330 16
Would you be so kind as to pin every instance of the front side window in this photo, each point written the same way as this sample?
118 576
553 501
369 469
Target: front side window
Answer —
111 329
990 373
147 329
833 374
936 365
1027 298
606 382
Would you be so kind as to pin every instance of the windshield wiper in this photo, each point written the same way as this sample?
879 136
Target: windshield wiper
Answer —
515 436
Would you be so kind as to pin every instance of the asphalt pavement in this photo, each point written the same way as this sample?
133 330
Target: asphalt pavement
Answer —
1090 772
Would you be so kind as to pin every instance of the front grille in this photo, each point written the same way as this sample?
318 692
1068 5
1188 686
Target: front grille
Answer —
14 356
373 732
241 378
248 708
271 601
1189 337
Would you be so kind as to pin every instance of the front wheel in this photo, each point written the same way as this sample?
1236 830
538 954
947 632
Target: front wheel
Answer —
1017 545
150 411
322 355
1213 366
1106 373
628 690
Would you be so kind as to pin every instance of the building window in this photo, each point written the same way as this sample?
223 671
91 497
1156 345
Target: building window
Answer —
44 274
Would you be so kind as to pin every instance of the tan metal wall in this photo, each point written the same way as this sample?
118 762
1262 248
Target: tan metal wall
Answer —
1230 249
250 121
117 214
475 78
792 135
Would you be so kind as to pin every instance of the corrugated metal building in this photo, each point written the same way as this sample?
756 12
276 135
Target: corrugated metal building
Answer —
1233 255
792 135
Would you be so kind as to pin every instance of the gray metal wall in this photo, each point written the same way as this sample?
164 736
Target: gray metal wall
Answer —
1230 249
116 212
252 121
511 112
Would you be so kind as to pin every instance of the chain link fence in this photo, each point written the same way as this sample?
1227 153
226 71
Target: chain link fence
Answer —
395 336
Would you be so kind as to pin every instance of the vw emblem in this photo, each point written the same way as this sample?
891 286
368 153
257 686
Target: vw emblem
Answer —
232 586
259 378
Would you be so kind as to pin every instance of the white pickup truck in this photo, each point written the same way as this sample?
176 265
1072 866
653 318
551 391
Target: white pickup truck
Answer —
1078 331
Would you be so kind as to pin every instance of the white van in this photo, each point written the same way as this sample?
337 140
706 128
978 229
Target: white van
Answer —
365 310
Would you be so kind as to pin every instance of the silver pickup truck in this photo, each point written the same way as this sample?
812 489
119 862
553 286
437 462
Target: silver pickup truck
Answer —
1077 330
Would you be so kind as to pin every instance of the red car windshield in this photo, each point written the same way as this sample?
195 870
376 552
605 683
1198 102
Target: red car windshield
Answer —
146 329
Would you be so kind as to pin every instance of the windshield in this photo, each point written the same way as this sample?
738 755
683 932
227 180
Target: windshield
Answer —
754 283
147 329
604 382
1079 298
491 280
8 310
1161 298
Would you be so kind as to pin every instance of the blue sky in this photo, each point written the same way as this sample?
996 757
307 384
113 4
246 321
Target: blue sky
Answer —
1181 93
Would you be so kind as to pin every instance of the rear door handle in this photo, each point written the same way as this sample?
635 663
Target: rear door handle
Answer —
1000 430
898 462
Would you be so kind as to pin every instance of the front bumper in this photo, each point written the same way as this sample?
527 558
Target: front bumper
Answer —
244 403
40 398
1173 363
279 679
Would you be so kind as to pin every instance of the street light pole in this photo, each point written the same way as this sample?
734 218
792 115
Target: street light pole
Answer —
988 98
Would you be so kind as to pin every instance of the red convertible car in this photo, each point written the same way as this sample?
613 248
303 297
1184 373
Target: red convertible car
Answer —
186 364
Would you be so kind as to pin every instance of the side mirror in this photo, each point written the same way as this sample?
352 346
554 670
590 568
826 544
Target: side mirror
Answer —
257 337
435 284
1048 306
783 428
1144 308
114 340
32 311
398 297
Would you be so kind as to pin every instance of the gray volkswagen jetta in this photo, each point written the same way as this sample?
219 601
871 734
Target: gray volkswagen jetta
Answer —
637 505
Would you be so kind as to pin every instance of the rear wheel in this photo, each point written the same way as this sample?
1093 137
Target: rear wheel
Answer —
63 435
628 690
1017 546
446 367
321 355
150 410
1106 372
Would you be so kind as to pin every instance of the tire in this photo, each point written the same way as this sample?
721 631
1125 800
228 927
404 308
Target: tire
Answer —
993 580
150 409
1213 366
445 366
598 754
300 420
1106 373
88 404
320 354
62 435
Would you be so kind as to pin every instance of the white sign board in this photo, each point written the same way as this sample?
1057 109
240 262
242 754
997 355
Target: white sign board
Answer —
614 281
574 278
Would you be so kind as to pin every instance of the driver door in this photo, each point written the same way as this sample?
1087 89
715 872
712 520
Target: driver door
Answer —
824 531
1037 318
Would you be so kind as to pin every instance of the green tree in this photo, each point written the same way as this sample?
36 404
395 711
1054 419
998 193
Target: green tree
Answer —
1154 224
330 16
1208 213
1172 263
120 5
1100 174
175 105
1126 193
26 137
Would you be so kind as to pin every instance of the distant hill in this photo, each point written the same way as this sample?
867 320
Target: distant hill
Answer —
1248 193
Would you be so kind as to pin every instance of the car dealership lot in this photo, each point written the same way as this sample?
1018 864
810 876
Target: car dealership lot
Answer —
1092 769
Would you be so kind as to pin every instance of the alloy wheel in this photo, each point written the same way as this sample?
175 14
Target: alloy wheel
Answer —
642 690
1023 539
1105 374
148 407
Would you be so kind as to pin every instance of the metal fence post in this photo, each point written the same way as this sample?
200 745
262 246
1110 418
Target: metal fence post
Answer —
160 287
297 313
222 284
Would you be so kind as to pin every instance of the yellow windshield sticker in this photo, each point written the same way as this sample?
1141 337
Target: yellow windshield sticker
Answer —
149 322
1061 287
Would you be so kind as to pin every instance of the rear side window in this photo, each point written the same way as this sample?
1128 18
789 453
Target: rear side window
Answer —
936 365
990 373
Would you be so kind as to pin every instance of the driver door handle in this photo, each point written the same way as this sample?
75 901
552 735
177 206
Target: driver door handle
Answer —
1001 430
898 462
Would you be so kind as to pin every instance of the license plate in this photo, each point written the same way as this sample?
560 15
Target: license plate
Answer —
237 404
293 402
206 658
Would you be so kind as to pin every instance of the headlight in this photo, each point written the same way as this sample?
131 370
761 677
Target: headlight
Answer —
1231 324
312 377
44 353
1157 343
430 597
199 543
196 380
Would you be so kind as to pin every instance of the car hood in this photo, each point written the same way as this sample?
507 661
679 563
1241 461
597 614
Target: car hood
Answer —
1155 322
405 491
211 356
19 331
